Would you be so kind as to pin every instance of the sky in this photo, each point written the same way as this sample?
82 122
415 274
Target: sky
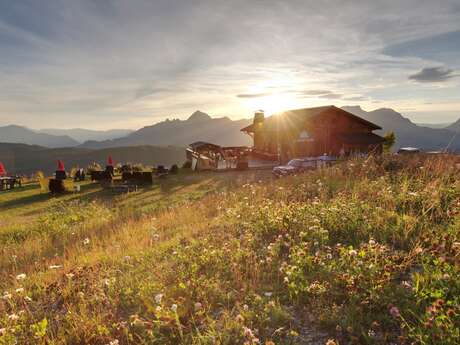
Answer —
126 64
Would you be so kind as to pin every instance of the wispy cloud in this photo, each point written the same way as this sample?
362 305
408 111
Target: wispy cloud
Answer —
253 95
433 74
118 63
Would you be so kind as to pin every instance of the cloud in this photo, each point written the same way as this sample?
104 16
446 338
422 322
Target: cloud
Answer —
100 63
253 95
433 75
356 98
331 95
315 92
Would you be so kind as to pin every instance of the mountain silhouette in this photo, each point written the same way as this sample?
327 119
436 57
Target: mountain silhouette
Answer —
81 135
198 127
408 133
455 126
24 135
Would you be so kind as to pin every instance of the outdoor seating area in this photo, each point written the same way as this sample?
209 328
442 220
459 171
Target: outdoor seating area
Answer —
206 156
8 182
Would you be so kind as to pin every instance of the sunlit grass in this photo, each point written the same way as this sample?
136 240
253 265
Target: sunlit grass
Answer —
366 252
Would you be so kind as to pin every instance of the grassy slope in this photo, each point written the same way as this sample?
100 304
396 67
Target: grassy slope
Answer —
366 250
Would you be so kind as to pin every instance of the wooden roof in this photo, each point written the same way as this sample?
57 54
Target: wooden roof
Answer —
298 116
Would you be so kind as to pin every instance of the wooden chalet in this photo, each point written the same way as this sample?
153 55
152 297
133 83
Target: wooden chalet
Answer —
313 132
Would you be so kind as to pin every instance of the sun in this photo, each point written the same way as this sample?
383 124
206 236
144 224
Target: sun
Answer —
271 104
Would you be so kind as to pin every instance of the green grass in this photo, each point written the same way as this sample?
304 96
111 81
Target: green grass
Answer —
365 252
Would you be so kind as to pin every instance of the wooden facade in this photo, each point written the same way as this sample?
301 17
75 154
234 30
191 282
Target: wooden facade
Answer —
313 132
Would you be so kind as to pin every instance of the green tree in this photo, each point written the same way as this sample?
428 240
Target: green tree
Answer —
389 141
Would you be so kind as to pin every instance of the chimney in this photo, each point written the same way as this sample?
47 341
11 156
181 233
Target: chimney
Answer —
259 117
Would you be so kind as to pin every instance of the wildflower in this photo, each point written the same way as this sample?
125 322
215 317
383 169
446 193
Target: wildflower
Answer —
239 318
394 311
353 252
372 242
329 256
406 284
13 317
248 333
158 298
55 267
158 309
127 258
245 307
198 306
27 299
21 276
70 275
20 290
155 237
7 295
446 276
331 342
268 294
86 241
114 342
174 308
3 331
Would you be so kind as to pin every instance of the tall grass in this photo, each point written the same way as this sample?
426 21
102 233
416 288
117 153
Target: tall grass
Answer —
364 252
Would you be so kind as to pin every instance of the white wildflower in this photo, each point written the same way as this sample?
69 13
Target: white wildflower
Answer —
158 298
353 252
268 294
21 276
86 241
20 290
13 317
55 267
27 299
174 308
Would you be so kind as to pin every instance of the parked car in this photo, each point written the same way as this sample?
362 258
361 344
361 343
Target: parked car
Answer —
408 150
295 166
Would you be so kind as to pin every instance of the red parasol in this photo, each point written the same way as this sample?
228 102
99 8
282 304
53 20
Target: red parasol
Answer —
60 166
2 170
110 161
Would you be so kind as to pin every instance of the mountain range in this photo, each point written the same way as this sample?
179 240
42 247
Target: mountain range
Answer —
27 159
56 137
198 127
408 133
455 126
23 135
223 131
81 135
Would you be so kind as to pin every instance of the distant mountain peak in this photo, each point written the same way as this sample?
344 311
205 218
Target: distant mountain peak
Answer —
199 116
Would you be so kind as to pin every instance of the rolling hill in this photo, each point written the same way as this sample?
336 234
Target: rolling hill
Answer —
199 126
24 135
27 159
407 132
